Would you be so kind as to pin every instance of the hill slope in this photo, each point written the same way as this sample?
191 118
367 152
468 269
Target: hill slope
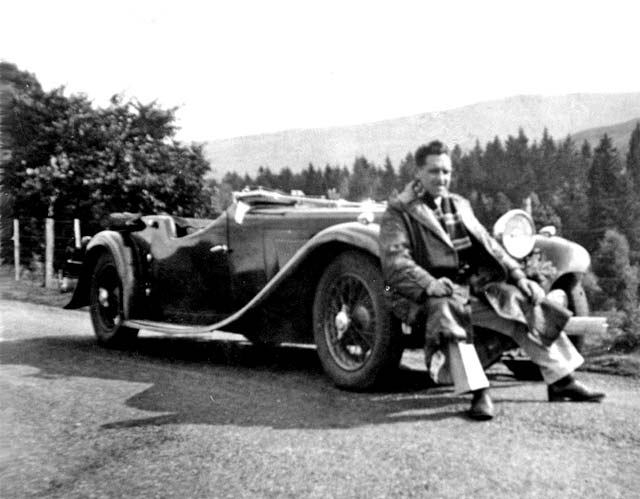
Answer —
620 133
561 115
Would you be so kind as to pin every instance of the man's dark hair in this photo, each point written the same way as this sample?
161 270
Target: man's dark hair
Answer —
432 148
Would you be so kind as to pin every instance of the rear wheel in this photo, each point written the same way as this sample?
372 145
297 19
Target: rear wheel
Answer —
359 344
106 304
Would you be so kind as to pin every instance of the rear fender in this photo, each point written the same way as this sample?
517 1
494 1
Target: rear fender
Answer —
111 242
566 256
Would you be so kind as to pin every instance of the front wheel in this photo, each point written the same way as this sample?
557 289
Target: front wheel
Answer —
106 304
358 341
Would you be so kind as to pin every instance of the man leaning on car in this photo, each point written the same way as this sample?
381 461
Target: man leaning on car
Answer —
438 261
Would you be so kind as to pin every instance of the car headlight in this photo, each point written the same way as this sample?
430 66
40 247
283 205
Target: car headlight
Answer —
516 232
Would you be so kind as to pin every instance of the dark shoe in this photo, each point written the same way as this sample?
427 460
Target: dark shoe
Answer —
481 406
570 389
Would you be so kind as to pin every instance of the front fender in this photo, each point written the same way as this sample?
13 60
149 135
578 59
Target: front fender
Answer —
566 256
113 243
356 234
349 234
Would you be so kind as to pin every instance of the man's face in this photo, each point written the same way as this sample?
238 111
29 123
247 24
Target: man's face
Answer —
435 175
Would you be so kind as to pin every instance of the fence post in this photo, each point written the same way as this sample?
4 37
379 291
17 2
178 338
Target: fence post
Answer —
76 233
48 253
16 247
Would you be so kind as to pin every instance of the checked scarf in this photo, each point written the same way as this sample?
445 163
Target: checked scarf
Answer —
450 221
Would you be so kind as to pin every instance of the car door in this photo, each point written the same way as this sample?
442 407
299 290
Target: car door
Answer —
191 274
246 256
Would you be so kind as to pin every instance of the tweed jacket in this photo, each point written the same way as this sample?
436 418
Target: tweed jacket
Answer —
414 245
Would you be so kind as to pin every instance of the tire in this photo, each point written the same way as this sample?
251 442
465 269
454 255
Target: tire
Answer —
358 341
106 304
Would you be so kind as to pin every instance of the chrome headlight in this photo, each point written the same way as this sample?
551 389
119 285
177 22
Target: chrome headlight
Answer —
516 232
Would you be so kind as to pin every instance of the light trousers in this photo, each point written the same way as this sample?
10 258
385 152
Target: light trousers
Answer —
555 361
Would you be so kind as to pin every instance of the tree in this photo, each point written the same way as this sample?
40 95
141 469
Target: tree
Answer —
545 171
617 278
63 158
632 208
516 177
406 170
364 182
633 156
312 181
388 180
571 202
606 190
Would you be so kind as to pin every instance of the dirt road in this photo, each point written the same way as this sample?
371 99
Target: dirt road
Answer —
217 417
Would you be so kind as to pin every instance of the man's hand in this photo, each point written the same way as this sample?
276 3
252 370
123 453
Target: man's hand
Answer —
440 287
531 289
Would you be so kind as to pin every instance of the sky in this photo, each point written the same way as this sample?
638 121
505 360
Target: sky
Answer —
238 68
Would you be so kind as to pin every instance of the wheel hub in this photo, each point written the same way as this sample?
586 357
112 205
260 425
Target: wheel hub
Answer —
362 316
342 321
103 297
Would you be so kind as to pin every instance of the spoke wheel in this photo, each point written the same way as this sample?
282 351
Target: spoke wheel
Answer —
357 340
106 303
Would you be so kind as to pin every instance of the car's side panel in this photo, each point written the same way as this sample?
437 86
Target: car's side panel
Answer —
320 248
246 259
190 279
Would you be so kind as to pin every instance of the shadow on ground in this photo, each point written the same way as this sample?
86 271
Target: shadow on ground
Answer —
214 382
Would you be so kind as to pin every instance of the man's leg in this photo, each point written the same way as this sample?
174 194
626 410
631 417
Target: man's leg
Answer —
446 328
557 362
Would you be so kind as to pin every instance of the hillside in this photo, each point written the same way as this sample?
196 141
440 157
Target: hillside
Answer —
619 134
561 115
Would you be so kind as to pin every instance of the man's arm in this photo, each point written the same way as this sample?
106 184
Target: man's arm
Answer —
399 269
515 272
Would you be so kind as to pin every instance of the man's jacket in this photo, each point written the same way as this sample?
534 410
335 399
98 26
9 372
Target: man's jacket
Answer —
414 246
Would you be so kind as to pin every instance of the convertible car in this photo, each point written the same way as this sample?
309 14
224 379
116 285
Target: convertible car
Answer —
280 268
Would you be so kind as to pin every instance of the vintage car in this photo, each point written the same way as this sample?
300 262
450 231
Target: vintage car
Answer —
279 268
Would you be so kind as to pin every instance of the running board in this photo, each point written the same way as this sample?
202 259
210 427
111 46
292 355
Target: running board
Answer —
168 328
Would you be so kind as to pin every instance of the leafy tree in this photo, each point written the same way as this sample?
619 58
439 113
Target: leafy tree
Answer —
617 278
